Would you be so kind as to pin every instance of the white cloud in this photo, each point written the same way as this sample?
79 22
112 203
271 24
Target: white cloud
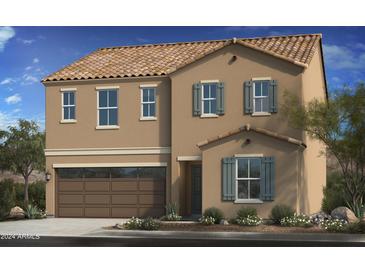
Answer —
17 110
28 68
359 46
29 79
7 81
6 33
13 99
35 60
7 119
26 41
336 79
340 57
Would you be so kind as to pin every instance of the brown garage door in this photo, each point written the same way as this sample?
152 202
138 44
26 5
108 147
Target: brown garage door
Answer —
110 192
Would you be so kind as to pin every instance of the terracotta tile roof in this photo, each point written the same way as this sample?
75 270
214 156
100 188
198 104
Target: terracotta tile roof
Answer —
163 59
255 129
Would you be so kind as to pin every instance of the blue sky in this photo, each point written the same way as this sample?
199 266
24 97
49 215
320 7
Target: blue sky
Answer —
29 53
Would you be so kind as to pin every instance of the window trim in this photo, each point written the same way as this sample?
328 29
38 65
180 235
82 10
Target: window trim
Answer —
208 82
254 112
148 118
63 120
249 200
98 126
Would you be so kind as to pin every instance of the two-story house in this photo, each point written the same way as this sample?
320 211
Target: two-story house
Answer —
130 129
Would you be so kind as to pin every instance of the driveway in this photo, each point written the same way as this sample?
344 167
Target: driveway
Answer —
56 226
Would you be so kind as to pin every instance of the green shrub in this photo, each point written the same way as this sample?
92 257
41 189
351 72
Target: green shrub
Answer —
19 194
215 213
244 212
150 224
37 194
7 197
133 224
300 220
171 213
249 220
33 212
358 227
334 225
333 192
207 220
279 212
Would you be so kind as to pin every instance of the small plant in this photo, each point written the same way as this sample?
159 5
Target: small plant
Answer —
150 224
215 213
244 212
300 220
33 212
279 212
207 220
171 213
133 224
334 225
249 220
358 227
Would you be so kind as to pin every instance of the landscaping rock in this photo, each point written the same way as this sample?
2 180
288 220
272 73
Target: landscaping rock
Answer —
224 222
16 213
319 217
344 213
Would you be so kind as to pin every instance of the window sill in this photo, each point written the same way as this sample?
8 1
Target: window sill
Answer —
209 116
148 118
107 127
248 201
261 114
71 121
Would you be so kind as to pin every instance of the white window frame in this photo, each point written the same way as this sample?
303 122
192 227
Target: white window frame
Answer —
63 92
148 118
212 115
107 108
259 97
237 179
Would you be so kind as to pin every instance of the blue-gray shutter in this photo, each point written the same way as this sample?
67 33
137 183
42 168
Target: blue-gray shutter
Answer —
220 98
273 101
248 97
197 95
267 184
228 178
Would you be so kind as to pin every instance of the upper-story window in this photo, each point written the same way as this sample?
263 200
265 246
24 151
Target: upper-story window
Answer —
261 96
209 98
148 103
108 107
68 106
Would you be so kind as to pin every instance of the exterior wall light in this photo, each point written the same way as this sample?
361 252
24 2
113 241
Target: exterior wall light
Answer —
48 176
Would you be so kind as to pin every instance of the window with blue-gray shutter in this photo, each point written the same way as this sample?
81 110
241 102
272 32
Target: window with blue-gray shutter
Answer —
260 96
228 178
208 99
267 186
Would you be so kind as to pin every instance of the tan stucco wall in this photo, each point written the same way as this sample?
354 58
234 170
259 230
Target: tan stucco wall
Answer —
51 187
286 171
187 130
314 162
132 131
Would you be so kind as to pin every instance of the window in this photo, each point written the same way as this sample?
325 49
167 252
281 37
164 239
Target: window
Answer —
107 108
248 178
68 106
148 102
261 96
209 99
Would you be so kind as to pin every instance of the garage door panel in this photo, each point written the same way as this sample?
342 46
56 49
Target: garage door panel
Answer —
151 185
70 199
124 186
118 212
96 186
97 212
70 212
70 186
151 212
124 199
97 199
149 199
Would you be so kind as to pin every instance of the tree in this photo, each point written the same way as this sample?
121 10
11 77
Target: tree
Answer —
22 151
340 124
